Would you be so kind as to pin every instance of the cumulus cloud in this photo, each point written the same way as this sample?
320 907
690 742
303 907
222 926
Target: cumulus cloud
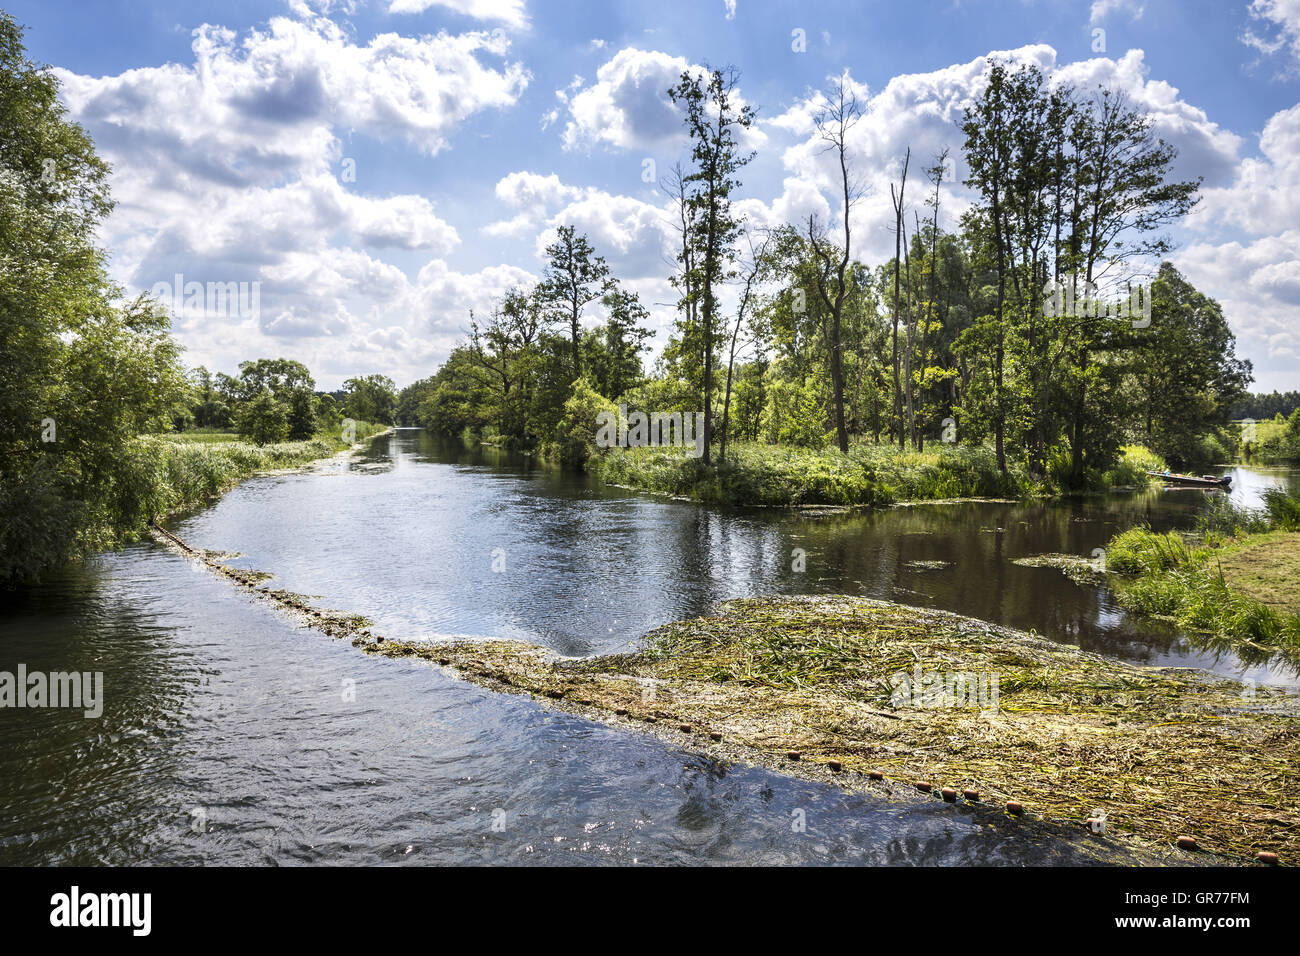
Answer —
1258 284
1263 195
924 111
628 106
231 169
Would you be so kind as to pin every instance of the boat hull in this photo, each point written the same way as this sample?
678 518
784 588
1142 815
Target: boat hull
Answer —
1191 481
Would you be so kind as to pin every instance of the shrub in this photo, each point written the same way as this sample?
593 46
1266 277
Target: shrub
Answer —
575 434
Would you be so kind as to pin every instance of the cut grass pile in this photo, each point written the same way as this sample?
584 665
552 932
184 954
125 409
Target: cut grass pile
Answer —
1164 752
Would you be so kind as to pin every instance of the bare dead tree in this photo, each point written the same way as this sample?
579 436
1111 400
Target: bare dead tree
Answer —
837 117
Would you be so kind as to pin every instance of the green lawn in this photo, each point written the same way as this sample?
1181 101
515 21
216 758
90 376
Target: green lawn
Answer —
1265 567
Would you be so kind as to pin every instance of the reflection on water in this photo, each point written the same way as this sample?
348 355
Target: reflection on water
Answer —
230 735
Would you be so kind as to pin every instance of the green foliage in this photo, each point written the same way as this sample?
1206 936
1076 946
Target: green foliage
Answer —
1283 509
1130 471
767 475
575 435
1143 551
1177 576
80 374
263 419
371 398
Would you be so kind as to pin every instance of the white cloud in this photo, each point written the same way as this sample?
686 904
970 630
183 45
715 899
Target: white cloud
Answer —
231 169
1279 21
1258 284
506 11
628 105
730 7
1263 196
1101 9
924 111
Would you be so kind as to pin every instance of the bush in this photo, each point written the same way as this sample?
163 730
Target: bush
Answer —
1143 551
1131 469
1283 509
575 434
263 419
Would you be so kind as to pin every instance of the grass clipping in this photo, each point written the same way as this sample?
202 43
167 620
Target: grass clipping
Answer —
1164 752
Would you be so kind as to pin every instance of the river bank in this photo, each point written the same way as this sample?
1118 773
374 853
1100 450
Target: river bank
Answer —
564 585
755 475
188 473
1234 578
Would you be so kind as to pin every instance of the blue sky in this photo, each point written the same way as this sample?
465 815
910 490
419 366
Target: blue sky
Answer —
475 127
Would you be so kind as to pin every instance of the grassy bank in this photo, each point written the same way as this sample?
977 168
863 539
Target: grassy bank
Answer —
813 685
193 467
773 475
1235 578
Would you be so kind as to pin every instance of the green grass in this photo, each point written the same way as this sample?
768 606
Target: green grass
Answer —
189 468
1236 578
820 680
204 436
779 475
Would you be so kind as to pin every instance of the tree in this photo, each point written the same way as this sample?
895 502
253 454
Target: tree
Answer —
81 377
624 340
713 120
834 121
987 157
371 398
1186 372
898 200
263 419
573 278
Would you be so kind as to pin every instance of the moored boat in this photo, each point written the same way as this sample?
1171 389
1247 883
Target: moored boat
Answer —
1202 481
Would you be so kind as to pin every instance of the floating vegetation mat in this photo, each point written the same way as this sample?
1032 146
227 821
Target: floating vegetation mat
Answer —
927 565
1077 568
850 687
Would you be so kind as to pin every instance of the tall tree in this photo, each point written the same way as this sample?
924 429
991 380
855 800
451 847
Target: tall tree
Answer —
897 198
573 278
840 112
714 120
987 158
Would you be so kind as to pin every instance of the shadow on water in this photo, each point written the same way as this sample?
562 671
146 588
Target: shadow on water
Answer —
230 735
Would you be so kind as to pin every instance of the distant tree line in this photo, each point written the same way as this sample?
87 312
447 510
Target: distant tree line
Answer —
1261 406
275 400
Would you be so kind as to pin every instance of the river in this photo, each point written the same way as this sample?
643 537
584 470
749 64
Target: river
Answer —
232 735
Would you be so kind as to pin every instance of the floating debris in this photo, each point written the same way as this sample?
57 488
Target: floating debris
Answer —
1077 568
927 565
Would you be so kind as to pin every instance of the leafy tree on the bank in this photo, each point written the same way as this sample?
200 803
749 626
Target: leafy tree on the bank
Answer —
714 121
623 338
83 376
371 398
263 419
1260 406
573 278
1187 377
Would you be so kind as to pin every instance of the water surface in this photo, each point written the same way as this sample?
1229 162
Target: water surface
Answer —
231 735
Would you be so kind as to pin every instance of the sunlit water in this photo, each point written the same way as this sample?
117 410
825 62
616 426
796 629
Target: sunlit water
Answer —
231 735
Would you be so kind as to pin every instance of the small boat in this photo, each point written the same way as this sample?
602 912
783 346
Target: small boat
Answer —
1203 481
